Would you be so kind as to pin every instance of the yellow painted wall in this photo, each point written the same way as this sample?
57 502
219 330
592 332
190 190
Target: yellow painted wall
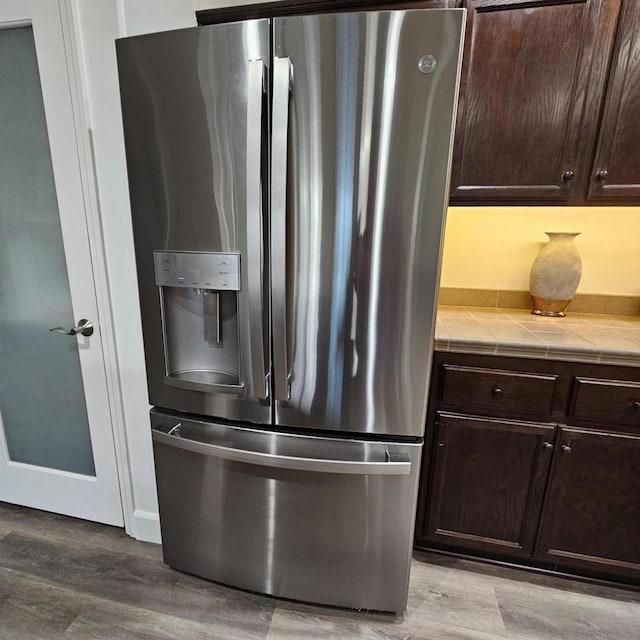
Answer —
493 247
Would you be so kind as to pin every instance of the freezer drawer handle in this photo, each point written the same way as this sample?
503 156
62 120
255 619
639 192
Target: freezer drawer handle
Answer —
255 89
282 78
393 466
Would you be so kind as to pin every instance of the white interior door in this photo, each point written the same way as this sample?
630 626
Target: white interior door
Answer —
56 440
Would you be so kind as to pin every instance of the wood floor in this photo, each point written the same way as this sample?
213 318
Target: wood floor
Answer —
66 578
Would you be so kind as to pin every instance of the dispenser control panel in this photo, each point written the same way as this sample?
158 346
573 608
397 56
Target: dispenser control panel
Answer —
197 269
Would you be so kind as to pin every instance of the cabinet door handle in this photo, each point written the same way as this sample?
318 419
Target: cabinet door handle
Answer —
547 446
565 449
636 405
567 176
496 391
602 175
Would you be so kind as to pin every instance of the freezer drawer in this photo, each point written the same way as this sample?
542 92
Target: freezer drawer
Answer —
310 518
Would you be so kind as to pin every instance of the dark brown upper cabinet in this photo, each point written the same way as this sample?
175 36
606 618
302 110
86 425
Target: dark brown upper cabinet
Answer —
533 78
293 7
616 171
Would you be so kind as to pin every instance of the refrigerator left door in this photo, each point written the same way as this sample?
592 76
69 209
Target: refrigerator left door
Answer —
194 105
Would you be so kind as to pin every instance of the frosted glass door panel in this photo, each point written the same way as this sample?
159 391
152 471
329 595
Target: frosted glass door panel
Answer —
42 402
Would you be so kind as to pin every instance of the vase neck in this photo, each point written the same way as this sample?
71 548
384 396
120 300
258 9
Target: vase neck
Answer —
561 235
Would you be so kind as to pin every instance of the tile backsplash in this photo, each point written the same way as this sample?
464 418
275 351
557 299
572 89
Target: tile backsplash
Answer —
618 305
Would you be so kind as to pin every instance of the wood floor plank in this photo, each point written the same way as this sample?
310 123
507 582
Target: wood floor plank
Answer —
297 622
73 531
31 608
64 579
127 579
524 576
467 601
539 613
27 618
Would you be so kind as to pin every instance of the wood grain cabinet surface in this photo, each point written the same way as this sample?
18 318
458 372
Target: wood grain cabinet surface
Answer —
606 401
533 78
616 171
488 482
549 478
591 516
496 392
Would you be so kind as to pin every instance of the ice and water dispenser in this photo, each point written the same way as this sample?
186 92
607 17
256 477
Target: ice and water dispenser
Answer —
199 301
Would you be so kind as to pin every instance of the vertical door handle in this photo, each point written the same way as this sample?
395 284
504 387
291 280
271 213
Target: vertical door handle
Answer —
282 75
255 255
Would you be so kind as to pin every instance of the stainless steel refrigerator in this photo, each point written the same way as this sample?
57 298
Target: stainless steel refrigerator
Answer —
288 179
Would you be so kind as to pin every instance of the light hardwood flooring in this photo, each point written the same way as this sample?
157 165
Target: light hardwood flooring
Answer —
76 580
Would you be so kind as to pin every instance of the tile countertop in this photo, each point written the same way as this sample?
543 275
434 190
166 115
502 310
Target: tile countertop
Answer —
517 332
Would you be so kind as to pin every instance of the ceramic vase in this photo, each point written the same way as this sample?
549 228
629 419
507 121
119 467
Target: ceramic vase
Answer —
555 275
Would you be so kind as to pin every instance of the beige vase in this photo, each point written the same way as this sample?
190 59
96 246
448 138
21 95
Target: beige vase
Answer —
555 275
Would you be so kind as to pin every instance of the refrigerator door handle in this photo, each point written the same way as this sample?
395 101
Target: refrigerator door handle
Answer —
282 79
394 466
255 90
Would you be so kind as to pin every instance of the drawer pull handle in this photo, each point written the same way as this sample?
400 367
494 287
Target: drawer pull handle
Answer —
566 449
496 391
636 405
395 465
547 446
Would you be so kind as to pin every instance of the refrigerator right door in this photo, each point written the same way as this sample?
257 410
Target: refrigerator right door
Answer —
363 112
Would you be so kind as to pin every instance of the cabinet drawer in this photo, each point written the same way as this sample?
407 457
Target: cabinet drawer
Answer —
615 401
497 392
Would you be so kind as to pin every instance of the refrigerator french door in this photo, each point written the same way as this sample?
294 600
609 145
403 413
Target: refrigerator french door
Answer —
288 181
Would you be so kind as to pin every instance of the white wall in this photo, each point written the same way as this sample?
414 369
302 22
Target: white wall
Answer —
142 16
100 23
214 4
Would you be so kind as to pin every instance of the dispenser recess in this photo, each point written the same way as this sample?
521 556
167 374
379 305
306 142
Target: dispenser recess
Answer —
198 297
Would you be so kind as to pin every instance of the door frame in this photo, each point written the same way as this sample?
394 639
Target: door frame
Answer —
71 30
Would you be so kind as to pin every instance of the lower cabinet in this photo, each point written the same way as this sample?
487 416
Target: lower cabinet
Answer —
560 490
488 483
591 516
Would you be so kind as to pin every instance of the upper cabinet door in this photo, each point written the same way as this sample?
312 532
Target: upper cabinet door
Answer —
531 87
616 171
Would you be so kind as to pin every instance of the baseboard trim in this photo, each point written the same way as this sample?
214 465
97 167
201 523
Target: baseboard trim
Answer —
145 526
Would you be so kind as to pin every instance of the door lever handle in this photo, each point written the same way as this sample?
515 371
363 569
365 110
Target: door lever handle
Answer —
84 328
